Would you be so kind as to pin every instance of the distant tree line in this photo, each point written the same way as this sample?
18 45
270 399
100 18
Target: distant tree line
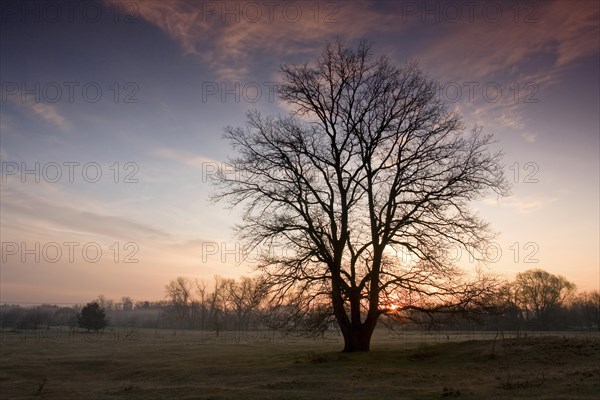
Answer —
539 300
534 300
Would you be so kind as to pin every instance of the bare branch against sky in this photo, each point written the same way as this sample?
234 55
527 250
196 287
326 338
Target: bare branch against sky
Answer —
112 114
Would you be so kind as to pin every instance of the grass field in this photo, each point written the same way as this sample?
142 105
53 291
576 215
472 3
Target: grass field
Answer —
192 365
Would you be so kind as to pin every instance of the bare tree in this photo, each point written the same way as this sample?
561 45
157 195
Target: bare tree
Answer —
366 186
202 302
245 295
218 304
105 303
587 304
126 303
541 293
179 293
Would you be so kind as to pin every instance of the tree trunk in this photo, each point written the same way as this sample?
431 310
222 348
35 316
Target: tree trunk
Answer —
357 338
357 334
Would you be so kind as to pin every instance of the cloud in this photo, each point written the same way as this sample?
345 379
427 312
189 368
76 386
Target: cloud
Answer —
49 113
510 121
523 204
560 31
48 211
233 37
529 137
190 160
521 59
578 30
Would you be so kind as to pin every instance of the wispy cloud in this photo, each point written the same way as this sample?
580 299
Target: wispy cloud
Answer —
521 59
524 204
229 41
48 211
49 113
188 159
560 31
229 35
529 137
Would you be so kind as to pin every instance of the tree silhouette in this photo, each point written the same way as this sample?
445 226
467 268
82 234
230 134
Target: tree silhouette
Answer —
92 317
179 294
541 294
365 186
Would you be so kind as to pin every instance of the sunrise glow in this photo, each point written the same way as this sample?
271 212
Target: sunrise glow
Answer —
111 126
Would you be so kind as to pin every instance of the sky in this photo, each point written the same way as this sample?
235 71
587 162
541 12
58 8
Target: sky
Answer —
112 115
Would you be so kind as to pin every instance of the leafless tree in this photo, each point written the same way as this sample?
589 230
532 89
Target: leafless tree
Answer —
105 303
365 185
179 294
541 293
246 295
201 302
587 305
126 303
218 304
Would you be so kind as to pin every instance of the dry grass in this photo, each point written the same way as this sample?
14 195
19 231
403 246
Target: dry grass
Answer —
161 365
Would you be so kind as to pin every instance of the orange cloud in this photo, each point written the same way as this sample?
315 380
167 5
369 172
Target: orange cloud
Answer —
480 50
230 35
48 113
